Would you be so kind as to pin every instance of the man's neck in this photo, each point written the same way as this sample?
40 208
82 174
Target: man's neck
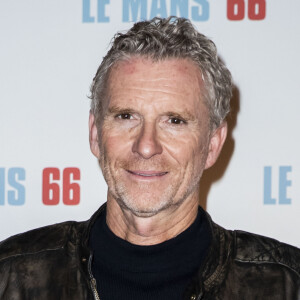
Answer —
150 230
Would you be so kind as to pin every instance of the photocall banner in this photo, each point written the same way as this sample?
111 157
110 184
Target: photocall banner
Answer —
50 51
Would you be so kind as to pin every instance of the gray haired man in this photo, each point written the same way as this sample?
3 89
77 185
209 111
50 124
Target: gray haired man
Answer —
159 102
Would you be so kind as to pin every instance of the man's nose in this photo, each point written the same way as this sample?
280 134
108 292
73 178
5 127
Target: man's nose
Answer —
147 143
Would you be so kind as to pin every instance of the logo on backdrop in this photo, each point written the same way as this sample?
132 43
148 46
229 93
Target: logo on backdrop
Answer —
95 11
283 182
58 186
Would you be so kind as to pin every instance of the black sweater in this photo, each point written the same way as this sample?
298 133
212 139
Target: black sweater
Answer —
127 271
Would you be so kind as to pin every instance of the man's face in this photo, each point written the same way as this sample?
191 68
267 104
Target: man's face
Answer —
154 139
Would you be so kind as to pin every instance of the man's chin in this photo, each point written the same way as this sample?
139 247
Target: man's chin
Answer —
147 209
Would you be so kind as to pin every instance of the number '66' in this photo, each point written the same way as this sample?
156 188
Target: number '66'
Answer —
52 187
236 9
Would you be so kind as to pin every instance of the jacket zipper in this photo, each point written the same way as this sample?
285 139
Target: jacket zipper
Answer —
94 288
92 279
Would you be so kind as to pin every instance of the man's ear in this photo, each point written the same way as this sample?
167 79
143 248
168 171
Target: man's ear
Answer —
93 136
215 145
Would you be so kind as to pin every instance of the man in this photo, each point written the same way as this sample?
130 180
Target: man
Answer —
157 121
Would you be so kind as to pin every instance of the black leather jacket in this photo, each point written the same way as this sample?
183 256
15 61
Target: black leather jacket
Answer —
53 263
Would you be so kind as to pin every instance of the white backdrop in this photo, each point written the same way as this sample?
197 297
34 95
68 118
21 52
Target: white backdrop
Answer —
50 51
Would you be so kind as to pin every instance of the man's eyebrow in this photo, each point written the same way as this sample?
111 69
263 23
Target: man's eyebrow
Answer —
119 110
184 115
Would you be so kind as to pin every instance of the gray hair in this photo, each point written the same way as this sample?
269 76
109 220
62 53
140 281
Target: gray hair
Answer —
160 39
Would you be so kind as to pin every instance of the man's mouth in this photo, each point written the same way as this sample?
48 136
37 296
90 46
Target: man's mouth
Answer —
147 173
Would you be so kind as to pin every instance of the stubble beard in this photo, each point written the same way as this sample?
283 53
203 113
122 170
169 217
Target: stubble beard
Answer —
141 200
137 197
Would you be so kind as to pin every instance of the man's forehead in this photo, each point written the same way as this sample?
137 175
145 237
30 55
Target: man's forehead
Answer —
170 76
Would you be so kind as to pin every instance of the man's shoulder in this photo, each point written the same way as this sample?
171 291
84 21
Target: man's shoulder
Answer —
258 249
48 238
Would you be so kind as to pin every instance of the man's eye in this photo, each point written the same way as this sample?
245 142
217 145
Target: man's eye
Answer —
176 121
124 116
